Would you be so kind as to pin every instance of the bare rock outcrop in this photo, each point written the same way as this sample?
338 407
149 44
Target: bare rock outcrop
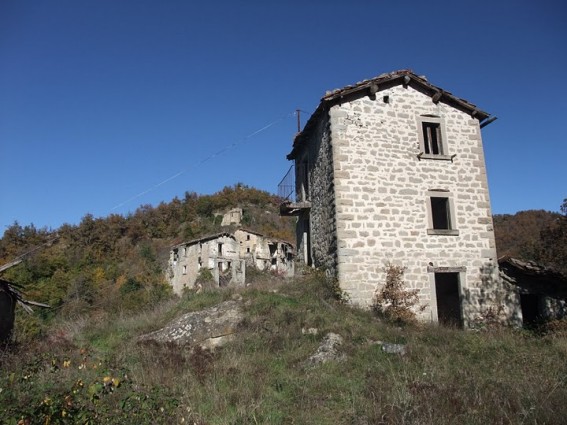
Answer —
208 328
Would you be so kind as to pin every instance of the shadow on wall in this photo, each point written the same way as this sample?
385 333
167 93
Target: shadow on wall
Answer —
493 303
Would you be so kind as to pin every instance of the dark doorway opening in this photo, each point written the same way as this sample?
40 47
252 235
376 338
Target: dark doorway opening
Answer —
448 299
531 309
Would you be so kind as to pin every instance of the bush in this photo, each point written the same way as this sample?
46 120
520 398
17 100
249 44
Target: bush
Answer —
393 301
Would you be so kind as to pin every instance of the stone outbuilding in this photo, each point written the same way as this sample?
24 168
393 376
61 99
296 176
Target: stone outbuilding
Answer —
391 170
540 292
226 255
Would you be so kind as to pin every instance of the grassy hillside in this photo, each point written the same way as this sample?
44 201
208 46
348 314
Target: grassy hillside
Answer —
91 369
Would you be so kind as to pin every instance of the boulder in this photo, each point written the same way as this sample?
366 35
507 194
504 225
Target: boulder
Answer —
208 328
327 351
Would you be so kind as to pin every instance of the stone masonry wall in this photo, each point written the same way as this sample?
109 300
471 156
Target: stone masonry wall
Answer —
322 197
382 199
184 265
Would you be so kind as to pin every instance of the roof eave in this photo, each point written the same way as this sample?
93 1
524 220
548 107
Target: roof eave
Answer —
372 86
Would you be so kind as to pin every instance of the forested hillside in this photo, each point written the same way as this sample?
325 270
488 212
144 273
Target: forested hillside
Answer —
536 235
117 262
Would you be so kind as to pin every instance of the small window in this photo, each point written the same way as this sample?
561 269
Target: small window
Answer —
248 250
441 214
220 248
184 269
247 237
432 139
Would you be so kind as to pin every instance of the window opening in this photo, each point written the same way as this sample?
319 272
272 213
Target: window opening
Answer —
184 269
220 248
273 249
448 299
432 138
440 213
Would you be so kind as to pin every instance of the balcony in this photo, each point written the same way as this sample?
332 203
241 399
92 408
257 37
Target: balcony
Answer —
293 203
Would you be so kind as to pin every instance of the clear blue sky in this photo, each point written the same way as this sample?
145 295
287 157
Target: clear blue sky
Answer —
101 102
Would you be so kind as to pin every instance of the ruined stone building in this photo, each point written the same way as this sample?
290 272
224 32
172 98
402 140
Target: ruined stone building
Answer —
227 255
392 170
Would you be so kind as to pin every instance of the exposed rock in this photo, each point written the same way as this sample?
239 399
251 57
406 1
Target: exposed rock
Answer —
309 331
394 348
390 348
207 328
327 351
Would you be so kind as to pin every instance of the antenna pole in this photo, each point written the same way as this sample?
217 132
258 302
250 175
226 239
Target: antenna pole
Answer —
298 113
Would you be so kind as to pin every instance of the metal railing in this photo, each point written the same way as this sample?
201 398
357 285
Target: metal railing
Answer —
286 187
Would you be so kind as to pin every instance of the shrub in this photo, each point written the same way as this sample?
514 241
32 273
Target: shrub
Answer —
205 276
393 301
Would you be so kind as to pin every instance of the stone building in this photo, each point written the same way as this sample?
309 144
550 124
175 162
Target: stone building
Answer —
265 253
391 170
226 256
233 217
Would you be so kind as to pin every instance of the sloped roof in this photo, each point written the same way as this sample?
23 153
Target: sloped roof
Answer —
533 277
531 268
384 81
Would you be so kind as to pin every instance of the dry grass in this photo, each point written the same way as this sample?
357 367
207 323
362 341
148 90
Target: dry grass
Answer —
448 376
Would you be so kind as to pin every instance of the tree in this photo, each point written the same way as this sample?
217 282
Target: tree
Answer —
554 242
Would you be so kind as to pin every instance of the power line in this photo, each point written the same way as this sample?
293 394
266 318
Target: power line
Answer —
202 161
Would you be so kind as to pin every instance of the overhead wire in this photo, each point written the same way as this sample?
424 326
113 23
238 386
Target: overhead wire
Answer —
204 160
